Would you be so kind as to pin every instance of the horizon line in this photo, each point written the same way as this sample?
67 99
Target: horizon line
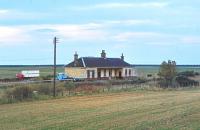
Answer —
18 65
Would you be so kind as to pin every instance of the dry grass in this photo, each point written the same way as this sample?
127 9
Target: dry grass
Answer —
127 110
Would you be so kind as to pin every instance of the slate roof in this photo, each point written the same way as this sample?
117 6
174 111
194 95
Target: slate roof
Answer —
99 62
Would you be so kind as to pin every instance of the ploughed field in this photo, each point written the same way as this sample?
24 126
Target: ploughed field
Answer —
146 110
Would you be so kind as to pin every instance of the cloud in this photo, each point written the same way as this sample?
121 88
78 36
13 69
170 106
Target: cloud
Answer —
123 5
91 32
191 39
10 14
80 32
151 38
76 32
131 22
2 12
156 38
126 36
12 35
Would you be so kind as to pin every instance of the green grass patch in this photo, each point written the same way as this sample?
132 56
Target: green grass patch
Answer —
10 72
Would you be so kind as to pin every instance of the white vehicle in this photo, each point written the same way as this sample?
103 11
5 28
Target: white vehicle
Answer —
30 73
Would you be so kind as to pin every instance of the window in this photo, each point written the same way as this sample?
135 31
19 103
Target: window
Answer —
88 73
99 74
110 73
130 72
125 72
93 72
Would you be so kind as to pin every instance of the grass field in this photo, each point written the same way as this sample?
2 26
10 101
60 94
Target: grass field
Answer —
10 72
143 71
142 110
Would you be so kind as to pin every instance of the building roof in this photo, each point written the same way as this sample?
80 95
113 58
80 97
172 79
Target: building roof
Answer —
99 62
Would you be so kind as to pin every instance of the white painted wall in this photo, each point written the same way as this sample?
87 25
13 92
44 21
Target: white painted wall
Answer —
102 73
133 72
95 72
113 73
107 73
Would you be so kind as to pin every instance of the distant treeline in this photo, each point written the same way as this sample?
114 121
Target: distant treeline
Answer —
159 65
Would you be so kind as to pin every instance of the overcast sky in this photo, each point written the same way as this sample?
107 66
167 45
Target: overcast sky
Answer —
146 31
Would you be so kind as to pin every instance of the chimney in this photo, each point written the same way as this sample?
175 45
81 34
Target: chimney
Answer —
122 57
103 54
75 59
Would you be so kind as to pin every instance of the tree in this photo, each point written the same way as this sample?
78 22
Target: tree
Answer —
168 73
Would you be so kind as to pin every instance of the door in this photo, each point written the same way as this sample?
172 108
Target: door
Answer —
99 74
120 74
93 74
88 74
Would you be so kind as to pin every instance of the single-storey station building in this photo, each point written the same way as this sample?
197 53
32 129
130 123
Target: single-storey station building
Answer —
99 67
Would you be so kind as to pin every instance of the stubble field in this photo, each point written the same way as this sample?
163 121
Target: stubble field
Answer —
142 110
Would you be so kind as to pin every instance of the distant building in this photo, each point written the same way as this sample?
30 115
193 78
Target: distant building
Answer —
99 67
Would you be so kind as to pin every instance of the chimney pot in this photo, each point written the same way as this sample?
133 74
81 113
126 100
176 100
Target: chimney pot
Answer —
75 59
122 57
103 54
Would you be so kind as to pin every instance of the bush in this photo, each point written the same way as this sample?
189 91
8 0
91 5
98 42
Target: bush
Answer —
44 89
41 91
20 93
165 83
47 89
60 89
197 73
188 73
70 86
88 89
184 81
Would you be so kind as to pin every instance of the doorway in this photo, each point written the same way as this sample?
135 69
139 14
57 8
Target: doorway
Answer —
99 74
120 74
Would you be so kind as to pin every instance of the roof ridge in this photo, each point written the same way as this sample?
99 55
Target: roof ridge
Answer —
100 57
100 62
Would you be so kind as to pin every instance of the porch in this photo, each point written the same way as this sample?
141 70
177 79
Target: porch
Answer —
104 73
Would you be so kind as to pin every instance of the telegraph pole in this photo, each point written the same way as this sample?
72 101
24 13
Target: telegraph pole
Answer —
55 41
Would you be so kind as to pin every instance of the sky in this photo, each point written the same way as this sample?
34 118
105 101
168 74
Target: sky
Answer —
145 31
